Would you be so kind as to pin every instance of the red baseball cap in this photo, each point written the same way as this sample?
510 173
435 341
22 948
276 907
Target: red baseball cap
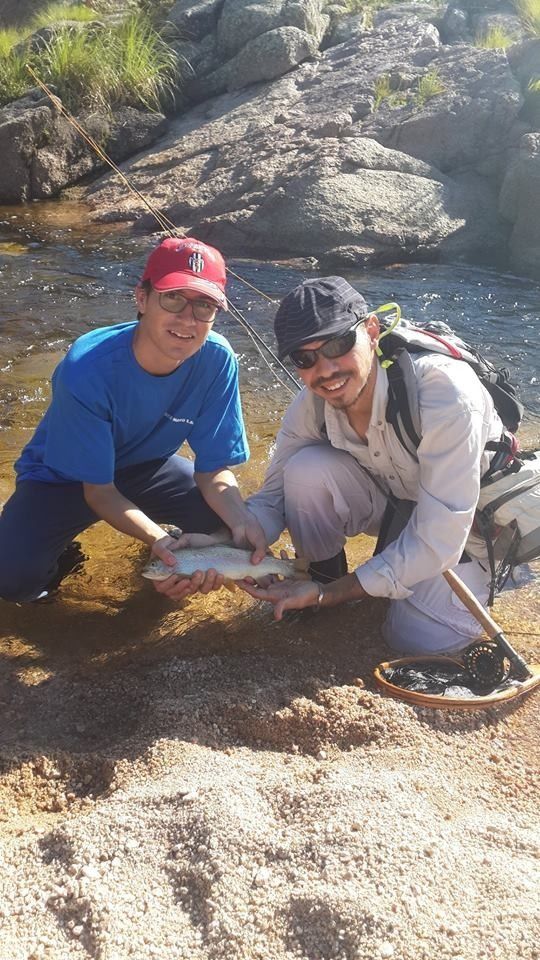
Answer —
185 263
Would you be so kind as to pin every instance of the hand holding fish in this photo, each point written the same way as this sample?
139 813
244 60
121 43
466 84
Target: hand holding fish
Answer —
285 594
174 586
204 568
248 535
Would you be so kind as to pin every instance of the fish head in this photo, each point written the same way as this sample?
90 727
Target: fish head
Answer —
155 569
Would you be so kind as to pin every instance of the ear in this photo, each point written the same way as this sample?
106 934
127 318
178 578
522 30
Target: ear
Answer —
141 298
373 328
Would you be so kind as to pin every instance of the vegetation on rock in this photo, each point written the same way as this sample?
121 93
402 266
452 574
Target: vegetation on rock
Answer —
496 38
529 11
106 66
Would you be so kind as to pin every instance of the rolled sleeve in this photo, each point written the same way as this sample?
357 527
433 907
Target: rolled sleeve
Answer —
457 421
301 426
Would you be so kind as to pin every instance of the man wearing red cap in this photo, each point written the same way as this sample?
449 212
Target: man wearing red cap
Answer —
124 400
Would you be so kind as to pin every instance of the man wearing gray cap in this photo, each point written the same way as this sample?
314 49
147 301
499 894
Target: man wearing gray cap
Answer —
335 438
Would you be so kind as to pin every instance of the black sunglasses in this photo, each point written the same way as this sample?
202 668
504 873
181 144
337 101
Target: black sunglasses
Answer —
335 347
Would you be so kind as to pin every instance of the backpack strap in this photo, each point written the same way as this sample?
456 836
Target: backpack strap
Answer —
402 409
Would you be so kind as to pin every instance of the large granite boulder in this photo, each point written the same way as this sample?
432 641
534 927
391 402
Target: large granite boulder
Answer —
265 57
230 44
42 153
243 20
520 204
194 19
300 167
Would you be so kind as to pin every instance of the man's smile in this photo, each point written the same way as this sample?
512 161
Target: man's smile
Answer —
332 386
181 336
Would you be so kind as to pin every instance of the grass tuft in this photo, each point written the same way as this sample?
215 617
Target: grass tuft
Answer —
57 12
496 38
14 77
529 12
78 68
127 64
382 89
146 68
8 39
428 87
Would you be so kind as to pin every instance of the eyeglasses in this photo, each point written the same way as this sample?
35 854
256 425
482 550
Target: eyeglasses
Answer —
174 302
335 347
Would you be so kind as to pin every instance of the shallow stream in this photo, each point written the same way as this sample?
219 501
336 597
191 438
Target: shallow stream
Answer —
61 277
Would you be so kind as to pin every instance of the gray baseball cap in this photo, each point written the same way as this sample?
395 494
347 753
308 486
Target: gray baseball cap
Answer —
316 310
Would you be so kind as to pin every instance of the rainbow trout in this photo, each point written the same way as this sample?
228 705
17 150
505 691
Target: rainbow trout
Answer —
233 563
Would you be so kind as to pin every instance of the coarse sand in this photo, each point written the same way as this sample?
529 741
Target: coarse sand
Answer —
204 784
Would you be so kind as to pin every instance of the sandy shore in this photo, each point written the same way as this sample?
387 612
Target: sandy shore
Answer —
205 784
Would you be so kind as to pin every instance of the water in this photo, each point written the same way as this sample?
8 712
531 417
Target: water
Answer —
61 277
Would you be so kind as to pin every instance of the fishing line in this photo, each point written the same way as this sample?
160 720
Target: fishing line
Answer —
170 228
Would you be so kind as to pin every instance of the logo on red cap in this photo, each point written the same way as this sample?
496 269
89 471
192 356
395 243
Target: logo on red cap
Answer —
196 262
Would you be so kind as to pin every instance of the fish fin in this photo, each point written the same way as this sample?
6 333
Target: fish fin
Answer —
230 585
301 564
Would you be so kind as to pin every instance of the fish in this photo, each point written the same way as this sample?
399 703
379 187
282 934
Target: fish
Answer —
232 562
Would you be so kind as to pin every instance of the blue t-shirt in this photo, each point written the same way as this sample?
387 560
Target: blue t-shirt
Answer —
107 413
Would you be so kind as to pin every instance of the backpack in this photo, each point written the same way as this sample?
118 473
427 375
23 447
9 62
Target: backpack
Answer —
508 513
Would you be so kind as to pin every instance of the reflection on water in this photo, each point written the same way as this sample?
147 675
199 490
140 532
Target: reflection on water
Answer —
61 277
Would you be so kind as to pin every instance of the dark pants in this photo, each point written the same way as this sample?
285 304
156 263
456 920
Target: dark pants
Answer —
41 519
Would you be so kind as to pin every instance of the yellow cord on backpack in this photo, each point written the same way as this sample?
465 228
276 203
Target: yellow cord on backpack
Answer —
386 307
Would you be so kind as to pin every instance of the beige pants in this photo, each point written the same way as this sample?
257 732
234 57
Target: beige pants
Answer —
328 497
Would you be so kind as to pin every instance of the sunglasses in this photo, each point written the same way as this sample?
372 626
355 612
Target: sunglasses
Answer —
174 302
335 347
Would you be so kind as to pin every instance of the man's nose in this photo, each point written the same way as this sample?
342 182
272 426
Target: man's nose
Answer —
187 310
326 366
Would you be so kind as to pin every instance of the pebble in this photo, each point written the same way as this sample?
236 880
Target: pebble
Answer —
189 797
387 950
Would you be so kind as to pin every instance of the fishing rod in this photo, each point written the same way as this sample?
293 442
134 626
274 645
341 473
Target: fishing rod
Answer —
171 229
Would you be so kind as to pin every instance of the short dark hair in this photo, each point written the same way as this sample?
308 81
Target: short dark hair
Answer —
145 285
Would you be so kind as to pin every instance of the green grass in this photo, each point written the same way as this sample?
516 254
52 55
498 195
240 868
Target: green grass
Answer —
14 78
529 12
428 87
382 89
146 68
78 68
496 38
56 12
128 64
8 39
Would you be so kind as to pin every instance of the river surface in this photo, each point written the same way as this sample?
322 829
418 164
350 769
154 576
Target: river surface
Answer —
61 277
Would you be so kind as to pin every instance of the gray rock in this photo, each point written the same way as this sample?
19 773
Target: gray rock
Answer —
524 59
243 20
508 23
469 125
454 26
520 205
430 12
348 28
42 153
194 19
269 55
307 165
